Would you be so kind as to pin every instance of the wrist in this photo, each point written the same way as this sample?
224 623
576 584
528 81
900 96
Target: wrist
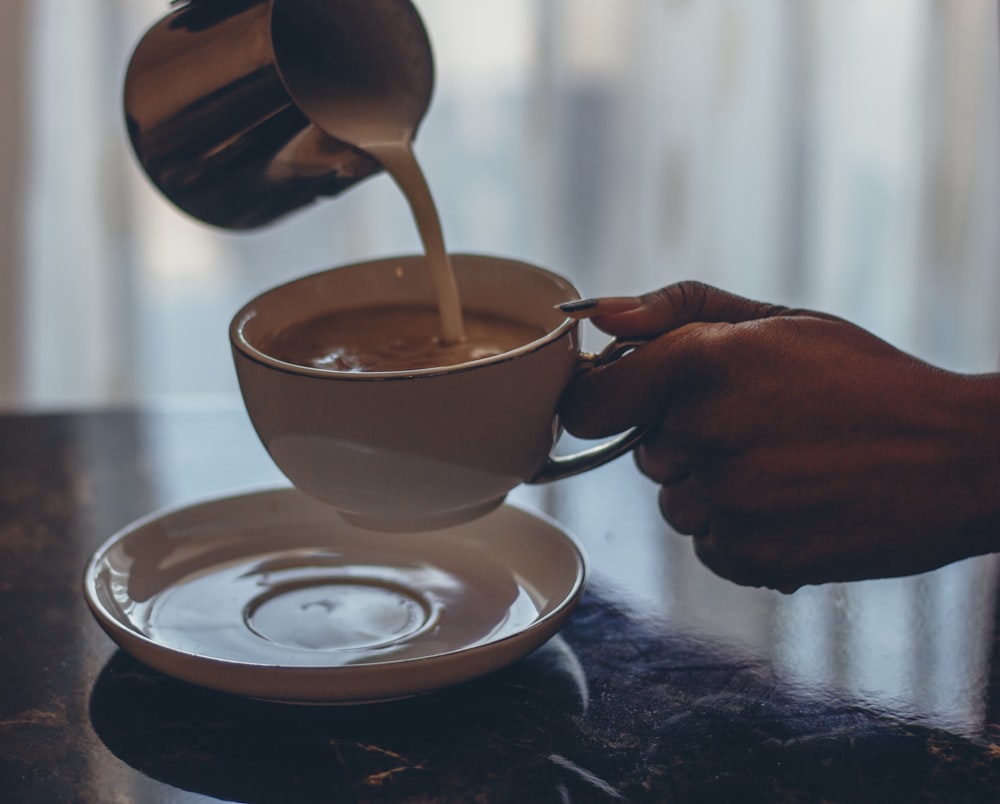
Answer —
978 461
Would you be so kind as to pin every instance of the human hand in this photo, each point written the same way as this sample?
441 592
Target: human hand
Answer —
793 446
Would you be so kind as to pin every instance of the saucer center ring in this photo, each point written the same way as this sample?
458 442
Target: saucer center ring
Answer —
337 614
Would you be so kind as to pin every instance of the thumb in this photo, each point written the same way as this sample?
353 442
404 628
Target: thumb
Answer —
669 308
636 389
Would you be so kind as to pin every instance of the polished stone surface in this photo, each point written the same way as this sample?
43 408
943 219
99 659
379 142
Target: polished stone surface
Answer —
667 684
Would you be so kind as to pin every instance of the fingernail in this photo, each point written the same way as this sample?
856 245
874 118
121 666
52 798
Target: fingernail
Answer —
579 307
608 305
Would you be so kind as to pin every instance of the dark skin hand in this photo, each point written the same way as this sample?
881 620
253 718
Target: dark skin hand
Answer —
794 447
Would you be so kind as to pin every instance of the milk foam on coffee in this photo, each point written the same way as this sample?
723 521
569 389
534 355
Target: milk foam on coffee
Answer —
393 338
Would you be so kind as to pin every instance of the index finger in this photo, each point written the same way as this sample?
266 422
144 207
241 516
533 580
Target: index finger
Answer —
669 308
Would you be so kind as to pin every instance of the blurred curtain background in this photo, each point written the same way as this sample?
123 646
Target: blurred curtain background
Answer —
838 154
833 153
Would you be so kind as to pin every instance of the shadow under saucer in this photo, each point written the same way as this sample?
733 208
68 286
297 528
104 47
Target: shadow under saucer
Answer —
492 734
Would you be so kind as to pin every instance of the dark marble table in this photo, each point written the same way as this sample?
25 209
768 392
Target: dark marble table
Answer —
667 684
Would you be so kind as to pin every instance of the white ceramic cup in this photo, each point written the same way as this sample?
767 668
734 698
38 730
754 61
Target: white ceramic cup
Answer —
427 448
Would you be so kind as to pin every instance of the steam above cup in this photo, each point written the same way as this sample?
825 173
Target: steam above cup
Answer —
425 448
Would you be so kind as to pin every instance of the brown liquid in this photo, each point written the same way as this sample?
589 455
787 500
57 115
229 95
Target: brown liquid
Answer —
393 338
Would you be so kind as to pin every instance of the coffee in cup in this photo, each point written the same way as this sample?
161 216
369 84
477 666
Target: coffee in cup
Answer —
394 337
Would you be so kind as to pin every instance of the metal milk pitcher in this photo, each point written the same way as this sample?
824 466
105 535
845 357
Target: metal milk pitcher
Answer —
237 109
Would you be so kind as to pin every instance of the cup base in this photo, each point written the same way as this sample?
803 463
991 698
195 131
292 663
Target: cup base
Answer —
423 522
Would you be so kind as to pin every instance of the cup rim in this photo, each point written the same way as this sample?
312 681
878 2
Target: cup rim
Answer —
245 314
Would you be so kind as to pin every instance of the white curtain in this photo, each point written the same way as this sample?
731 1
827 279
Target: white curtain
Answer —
12 147
834 153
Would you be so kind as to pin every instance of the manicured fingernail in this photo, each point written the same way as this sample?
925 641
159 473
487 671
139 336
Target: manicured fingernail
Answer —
579 307
608 305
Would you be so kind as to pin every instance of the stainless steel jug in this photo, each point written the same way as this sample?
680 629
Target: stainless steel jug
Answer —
234 107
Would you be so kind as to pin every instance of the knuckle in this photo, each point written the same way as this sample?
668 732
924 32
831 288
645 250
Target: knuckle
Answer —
739 556
687 297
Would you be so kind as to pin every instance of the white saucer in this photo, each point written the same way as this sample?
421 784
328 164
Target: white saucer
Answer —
270 594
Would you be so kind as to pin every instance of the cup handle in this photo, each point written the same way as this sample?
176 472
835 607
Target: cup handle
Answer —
558 467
